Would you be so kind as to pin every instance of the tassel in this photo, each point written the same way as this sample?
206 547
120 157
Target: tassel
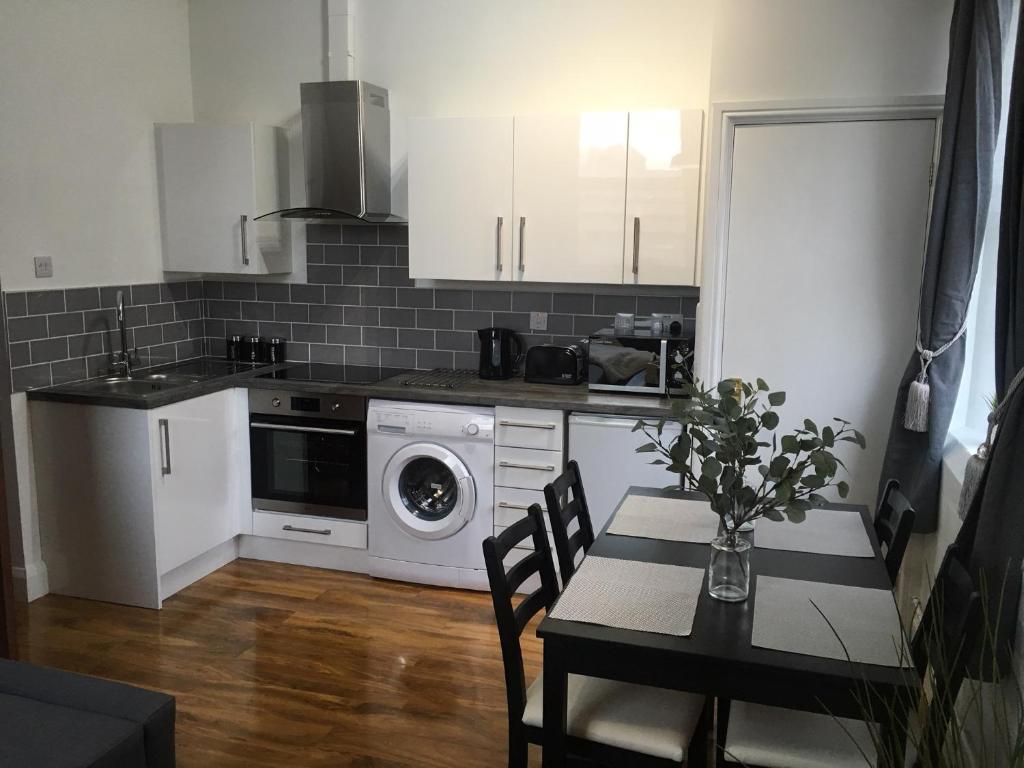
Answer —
972 480
915 418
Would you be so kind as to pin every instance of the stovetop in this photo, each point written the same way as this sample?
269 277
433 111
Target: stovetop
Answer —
332 374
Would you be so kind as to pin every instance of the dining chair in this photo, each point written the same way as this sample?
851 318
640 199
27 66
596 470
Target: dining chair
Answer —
562 510
608 722
894 523
773 737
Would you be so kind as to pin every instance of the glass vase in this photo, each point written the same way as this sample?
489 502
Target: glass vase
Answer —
729 571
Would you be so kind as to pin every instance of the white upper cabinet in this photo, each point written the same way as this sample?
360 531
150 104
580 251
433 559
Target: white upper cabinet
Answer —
662 188
570 173
460 204
214 181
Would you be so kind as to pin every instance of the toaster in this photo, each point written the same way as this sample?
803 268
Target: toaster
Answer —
556 364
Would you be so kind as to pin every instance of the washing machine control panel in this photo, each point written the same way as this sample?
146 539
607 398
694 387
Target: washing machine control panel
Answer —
401 422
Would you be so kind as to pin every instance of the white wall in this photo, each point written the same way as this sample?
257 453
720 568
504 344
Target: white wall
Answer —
82 84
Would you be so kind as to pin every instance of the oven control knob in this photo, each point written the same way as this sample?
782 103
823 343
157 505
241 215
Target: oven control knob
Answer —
276 402
472 429
335 406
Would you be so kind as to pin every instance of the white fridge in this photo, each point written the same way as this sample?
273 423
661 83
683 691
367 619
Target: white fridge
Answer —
605 448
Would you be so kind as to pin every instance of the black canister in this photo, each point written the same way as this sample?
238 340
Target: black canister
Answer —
233 348
274 350
251 348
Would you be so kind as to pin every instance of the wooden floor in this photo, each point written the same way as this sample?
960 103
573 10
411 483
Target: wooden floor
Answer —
280 665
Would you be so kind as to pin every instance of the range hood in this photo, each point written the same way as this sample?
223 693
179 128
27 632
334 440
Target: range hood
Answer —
346 140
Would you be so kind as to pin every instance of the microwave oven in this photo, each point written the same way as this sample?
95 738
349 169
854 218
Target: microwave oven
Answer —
639 361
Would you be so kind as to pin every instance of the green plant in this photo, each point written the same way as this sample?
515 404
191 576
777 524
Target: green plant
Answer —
726 432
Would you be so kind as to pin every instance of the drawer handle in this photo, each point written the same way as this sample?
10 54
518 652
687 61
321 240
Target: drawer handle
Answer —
526 424
507 505
294 529
514 465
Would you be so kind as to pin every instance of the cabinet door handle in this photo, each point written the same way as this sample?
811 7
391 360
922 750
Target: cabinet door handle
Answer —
165 447
515 465
317 531
526 424
508 505
497 243
522 231
245 241
636 246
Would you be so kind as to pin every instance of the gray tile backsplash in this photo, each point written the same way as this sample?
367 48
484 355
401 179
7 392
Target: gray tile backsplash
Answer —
358 306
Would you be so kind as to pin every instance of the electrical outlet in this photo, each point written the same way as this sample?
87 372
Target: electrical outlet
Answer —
538 321
43 265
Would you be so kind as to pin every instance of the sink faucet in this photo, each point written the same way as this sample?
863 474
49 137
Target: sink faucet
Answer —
122 326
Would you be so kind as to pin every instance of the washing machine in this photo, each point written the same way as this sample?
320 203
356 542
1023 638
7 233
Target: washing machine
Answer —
430 492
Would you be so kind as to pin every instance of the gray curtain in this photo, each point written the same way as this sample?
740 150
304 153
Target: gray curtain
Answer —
963 184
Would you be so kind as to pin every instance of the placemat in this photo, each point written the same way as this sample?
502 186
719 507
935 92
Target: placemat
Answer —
825 531
628 594
865 620
654 517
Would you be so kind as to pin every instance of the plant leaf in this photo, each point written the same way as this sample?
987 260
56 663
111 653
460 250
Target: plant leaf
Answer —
770 419
711 467
647 448
777 398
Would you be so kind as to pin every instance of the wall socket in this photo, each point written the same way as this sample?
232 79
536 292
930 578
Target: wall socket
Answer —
538 321
43 265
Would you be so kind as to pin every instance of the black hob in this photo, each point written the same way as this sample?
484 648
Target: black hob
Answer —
332 374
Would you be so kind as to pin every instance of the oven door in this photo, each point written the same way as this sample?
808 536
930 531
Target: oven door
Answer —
308 466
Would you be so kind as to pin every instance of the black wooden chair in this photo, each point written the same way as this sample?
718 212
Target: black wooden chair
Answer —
894 523
562 510
610 723
773 737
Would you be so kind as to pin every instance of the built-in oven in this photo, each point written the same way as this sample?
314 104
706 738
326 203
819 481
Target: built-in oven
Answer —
308 453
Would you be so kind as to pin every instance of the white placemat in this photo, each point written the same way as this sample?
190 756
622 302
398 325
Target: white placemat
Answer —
628 594
825 531
655 517
864 620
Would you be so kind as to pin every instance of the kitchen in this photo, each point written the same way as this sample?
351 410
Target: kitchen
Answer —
371 394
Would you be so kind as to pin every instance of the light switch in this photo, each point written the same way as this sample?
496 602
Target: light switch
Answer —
538 321
44 266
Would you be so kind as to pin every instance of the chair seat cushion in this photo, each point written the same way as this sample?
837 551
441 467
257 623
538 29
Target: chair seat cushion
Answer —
773 737
640 718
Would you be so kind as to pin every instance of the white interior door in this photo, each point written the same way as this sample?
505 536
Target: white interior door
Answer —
826 238
570 181
460 198
662 188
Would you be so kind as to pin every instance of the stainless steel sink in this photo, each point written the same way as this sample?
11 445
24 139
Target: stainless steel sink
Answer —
142 385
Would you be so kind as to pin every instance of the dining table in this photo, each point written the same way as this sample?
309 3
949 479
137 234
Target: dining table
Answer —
718 658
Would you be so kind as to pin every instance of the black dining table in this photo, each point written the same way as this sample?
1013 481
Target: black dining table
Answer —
717 658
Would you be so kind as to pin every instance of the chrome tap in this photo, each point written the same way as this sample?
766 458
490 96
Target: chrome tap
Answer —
122 326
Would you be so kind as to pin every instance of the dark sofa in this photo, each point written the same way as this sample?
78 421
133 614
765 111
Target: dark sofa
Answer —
55 719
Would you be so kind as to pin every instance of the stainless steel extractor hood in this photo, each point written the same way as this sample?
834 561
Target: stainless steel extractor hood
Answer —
346 140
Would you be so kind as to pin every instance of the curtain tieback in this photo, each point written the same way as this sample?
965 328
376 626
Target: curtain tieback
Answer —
915 417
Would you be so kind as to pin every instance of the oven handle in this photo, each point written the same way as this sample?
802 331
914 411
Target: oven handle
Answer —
310 430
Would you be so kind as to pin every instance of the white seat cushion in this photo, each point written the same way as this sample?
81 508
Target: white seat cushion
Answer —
772 737
640 718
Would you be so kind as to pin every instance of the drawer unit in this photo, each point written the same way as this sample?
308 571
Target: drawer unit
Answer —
529 428
510 504
525 467
528 543
315 530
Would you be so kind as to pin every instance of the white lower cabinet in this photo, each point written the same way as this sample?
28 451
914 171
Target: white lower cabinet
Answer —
313 530
134 504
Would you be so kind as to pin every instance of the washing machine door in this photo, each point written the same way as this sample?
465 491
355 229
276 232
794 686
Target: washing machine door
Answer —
428 491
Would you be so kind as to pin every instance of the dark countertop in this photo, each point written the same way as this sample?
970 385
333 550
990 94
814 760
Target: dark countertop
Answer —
511 392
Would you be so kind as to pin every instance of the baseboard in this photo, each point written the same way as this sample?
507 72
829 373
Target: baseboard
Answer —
176 580
30 582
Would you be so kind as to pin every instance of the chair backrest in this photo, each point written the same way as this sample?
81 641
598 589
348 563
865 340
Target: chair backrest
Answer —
512 618
893 525
562 510
944 644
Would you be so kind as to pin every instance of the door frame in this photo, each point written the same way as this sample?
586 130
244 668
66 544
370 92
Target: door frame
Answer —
725 119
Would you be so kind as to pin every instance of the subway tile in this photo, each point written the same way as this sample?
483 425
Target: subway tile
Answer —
45 302
195 328
275 292
195 289
213 289
359 234
453 299
307 294
269 330
584 325
229 310
377 255
146 293
186 350
418 339
20 354
17 305
24 328
397 277
100 320
356 275
326 313
492 300
257 310
188 310
326 353
242 291
534 340
344 334
647 305
309 332
135 316
560 324
174 332
149 335
82 298
609 304
402 256
466 361
324 275
689 306
216 347
530 301
457 341
176 291
393 234
398 317
517 321
97 365
377 297
83 345
472 321
297 352
291 313
108 295
68 370
341 294
30 377
380 337
164 353
314 253
159 313
215 327
419 298
565 341
341 254
241 328
323 233
362 316
48 350
432 358
573 303
362 356
434 318
65 324
398 358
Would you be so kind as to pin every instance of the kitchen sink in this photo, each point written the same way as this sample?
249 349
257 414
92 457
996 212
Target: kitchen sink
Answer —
143 385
